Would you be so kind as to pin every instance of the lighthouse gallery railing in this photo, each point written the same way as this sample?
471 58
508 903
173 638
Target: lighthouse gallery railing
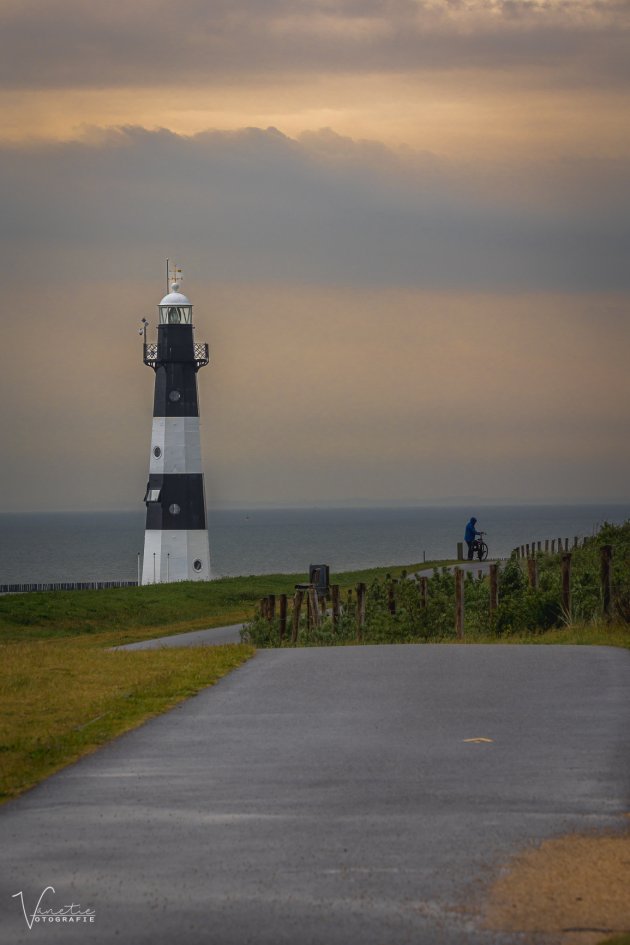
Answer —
201 355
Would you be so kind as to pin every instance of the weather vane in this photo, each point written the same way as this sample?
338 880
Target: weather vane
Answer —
173 274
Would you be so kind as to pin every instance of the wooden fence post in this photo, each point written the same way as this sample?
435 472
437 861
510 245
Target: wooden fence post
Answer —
424 591
532 570
263 606
527 550
271 607
494 587
283 615
546 545
566 544
297 607
566 585
360 610
539 545
522 551
313 607
460 550
459 603
334 589
559 546
606 579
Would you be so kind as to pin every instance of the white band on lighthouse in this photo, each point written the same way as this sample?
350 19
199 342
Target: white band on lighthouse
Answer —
175 445
175 556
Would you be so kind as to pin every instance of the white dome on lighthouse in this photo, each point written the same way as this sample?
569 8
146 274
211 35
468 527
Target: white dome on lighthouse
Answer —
175 297
175 308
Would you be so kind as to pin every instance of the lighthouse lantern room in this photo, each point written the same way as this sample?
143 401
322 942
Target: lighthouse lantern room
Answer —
176 535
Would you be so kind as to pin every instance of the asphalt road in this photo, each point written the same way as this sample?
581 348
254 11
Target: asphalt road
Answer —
477 567
325 797
215 636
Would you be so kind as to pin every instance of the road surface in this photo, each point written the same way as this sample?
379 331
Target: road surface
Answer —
327 796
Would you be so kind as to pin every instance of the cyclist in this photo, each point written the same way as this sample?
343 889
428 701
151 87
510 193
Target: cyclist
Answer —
470 535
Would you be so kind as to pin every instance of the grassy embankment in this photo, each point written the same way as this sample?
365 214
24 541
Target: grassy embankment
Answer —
63 692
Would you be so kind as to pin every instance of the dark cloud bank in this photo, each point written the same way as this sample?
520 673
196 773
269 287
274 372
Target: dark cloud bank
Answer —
70 43
262 206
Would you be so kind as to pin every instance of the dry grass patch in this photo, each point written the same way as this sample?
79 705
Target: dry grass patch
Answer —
571 890
61 699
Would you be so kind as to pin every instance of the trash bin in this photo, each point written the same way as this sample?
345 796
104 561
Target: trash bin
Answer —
319 577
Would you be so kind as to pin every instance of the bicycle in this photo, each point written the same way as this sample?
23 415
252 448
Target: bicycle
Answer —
479 548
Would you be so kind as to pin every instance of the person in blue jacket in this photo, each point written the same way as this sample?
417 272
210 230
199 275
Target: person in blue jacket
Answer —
469 536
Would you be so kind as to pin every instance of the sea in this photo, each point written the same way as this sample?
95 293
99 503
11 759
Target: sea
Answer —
104 546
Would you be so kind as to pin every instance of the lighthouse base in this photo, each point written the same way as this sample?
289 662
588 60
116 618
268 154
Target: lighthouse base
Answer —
181 555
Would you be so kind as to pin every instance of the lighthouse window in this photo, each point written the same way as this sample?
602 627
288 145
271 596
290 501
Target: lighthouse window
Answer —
197 564
157 452
174 509
174 396
153 495
174 316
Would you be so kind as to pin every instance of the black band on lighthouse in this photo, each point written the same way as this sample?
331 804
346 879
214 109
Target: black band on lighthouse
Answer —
176 501
175 391
175 373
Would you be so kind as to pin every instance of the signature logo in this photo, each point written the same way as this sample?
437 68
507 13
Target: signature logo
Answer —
72 913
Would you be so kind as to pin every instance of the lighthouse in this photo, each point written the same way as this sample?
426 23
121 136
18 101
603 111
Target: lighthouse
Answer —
176 534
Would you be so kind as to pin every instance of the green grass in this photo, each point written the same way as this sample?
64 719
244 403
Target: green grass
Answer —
161 607
613 634
134 613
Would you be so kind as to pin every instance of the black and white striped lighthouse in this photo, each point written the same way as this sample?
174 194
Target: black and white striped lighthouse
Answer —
176 535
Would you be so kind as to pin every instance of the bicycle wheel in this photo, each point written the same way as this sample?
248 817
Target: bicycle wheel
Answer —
483 551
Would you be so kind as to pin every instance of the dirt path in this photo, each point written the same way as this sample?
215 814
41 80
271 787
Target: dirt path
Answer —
573 890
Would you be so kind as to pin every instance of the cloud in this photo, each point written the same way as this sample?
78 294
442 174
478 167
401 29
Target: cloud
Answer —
261 206
68 44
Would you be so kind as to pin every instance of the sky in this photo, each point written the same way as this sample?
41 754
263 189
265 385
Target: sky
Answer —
403 225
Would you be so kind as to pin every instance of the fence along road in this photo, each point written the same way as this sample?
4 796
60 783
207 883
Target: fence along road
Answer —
326 796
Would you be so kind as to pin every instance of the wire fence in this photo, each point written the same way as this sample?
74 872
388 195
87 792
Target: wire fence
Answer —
64 586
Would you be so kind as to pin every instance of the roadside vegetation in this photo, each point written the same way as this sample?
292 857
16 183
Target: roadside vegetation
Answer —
397 612
127 614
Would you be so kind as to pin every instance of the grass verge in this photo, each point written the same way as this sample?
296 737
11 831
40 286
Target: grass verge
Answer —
604 634
128 614
61 699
